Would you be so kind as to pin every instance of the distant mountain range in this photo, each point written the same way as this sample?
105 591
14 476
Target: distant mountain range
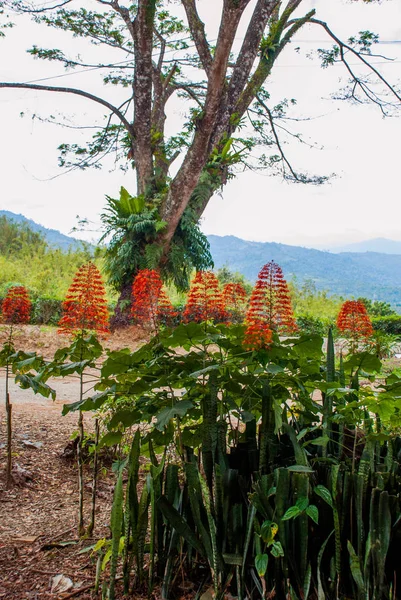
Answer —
363 272
381 245
370 274
53 237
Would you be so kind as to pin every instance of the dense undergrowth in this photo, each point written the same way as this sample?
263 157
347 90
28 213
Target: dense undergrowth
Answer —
271 474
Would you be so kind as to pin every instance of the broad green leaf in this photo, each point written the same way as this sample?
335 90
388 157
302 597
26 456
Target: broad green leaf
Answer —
261 561
112 438
363 360
313 513
302 503
179 409
324 493
291 513
268 531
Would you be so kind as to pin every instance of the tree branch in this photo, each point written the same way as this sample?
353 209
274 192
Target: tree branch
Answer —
277 139
360 56
50 88
198 33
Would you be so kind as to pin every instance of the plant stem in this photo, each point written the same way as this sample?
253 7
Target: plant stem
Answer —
94 481
9 432
9 414
81 528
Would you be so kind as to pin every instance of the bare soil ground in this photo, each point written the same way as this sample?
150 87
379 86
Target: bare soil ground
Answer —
43 510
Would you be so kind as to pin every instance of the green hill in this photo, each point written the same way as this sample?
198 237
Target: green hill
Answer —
370 274
53 237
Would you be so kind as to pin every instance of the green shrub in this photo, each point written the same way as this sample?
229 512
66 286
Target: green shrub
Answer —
313 325
390 324
46 311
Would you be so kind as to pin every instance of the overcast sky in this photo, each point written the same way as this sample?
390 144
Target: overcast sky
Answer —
362 149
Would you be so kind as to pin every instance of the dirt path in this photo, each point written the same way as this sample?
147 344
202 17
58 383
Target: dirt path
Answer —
45 508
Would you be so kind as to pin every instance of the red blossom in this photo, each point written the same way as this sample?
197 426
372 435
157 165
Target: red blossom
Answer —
269 309
16 307
353 320
85 305
150 303
205 300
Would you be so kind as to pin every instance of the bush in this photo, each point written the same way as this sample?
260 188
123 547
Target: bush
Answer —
313 325
391 324
46 311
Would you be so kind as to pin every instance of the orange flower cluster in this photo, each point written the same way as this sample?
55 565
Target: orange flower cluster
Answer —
234 299
205 300
150 303
85 305
16 307
354 320
269 308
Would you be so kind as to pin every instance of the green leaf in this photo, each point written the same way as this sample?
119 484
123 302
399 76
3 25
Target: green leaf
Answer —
261 561
320 441
363 360
277 550
300 469
302 503
324 493
179 409
112 438
313 513
291 513
268 531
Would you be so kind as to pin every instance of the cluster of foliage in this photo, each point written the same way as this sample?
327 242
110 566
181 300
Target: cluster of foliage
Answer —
309 302
267 487
205 300
255 486
131 226
16 306
353 321
26 259
85 305
150 303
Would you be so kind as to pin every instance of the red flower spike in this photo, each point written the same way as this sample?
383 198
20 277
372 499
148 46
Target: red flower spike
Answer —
269 308
150 302
85 305
205 300
16 307
353 320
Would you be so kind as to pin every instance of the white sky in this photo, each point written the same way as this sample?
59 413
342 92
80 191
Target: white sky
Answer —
361 147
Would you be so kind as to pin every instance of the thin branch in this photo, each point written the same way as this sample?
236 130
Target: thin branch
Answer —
198 33
21 9
277 139
162 50
49 88
190 92
359 55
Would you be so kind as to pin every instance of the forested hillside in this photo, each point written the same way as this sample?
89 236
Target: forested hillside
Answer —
369 274
26 258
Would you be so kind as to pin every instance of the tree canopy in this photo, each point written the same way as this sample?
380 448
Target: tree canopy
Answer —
229 122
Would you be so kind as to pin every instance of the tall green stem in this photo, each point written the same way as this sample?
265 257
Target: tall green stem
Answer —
8 415
81 528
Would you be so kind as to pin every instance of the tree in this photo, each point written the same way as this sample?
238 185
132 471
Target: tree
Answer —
229 119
